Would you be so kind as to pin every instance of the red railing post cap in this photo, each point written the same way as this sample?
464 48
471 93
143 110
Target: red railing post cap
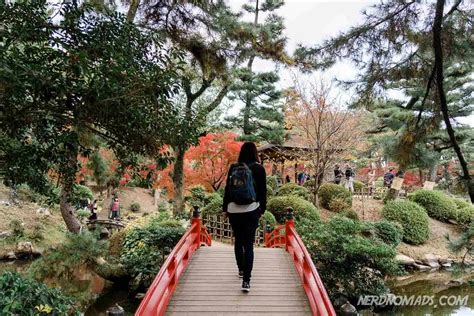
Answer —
289 213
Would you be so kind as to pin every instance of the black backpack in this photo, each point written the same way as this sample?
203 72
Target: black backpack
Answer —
242 185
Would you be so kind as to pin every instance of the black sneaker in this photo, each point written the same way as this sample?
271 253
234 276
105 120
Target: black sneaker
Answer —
241 274
246 287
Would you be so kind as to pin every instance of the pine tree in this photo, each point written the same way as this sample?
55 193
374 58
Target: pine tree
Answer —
261 118
395 50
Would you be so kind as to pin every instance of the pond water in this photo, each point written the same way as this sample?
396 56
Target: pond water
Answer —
435 285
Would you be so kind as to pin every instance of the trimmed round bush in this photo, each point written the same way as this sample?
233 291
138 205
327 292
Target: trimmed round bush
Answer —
359 185
267 218
436 204
310 184
270 192
412 217
293 189
465 216
339 204
272 181
135 207
461 203
389 232
302 208
330 191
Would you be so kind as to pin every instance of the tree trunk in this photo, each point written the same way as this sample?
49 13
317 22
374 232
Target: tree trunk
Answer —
178 180
438 53
248 95
67 181
132 10
433 172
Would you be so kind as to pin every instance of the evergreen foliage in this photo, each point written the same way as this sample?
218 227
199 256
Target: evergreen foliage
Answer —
412 217
293 189
302 208
329 191
436 204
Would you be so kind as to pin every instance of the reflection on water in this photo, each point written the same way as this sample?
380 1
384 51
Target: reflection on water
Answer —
112 296
438 285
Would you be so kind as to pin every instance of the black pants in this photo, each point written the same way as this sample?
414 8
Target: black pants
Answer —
244 226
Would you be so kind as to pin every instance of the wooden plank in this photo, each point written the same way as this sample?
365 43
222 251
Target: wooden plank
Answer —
239 308
237 313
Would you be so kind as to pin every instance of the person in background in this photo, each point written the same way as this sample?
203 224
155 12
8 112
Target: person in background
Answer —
349 178
287 179
371 180
245 201
115 208
388 178
337 174
301 178
93 210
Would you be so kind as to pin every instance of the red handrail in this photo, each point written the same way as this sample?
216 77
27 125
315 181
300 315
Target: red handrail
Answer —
159 293
318 298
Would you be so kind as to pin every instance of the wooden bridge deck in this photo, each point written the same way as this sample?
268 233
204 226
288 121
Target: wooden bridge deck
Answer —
210 285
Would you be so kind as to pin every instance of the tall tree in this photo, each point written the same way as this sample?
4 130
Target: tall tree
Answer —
261 118
395 51
216 42
89 72
329 131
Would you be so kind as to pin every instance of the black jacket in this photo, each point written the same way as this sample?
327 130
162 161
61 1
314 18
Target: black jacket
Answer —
260 178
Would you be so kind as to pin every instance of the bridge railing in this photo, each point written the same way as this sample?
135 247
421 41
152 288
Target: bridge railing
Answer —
159 293
287 236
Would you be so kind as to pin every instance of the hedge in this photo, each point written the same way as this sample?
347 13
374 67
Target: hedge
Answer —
359 185
293 189
412 217
436 204
213 204
389 232
465 216
329 191
302 208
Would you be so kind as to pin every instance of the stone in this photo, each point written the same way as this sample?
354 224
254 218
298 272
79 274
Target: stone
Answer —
421 267
104 233
24 247
348 309
446 265
10 255
455 283
5 234
404 260
116 310
339 301
431 260
43 211
445 260
139 296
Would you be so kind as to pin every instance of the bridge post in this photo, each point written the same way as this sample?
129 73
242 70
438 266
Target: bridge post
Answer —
197 219
268 233
290 222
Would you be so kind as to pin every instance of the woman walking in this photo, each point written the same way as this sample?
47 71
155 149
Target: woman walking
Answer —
245 200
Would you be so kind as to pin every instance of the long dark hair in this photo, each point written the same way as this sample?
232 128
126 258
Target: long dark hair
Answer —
248 153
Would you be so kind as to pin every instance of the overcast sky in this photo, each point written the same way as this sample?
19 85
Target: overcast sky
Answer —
310 22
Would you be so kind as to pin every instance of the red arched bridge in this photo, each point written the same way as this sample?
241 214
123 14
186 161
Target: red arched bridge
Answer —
197 280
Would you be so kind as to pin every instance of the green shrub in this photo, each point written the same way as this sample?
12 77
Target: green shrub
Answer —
436 204
163 207
310 184
461 203
359 185
293 189
465 216
23 296
302 208
213 205
17 228
197 197
145 248
270 192
329 191
37 232
25 193
81 192
351 214
379 183
339 204
389 232
82 214
349 263
412 217
135 207
272 181
267 218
